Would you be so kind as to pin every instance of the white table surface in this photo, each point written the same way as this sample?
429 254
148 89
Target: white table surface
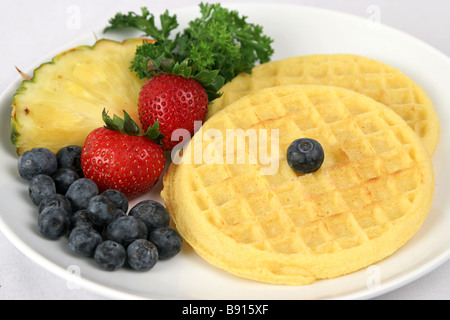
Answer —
32 28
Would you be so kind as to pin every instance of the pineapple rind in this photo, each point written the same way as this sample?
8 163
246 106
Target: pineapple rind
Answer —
63 101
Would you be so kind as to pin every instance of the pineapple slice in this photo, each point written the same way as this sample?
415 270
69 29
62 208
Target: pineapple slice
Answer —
63 101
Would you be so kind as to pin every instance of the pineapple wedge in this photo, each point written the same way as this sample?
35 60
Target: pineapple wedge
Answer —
63 101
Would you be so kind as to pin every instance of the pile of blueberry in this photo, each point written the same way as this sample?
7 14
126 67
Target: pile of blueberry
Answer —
97 224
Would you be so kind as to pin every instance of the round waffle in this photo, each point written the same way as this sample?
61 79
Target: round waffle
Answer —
372 78
368 199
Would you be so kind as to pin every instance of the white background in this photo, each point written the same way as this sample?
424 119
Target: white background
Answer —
30 29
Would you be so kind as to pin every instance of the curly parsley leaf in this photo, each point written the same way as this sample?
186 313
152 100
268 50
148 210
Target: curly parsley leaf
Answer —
225 41
145 23
213 49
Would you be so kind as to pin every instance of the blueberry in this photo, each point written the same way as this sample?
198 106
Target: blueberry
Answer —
80 192
305 155
125 230
101 210
63 179
142 255
110 255
53 222
39 187
119 213
118 197
152 213
80 218
69 157
83 240
167 240
55 200
36 161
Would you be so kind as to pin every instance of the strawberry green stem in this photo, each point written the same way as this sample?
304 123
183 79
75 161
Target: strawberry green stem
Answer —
129 127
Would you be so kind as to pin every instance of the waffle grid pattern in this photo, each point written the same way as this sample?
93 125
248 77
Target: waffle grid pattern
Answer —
370 177
366 76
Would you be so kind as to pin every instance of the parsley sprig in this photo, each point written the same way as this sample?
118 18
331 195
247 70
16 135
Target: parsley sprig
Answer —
213 49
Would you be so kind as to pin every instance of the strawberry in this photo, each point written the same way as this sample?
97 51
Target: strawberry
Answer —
175 102
117 157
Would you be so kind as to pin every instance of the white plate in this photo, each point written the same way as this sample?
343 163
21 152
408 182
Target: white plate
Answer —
297 31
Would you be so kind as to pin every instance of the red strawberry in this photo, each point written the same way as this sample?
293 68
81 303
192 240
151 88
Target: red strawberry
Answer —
175 102
116 157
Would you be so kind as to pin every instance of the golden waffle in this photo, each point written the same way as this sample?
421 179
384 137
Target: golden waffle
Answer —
372 78
367 200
